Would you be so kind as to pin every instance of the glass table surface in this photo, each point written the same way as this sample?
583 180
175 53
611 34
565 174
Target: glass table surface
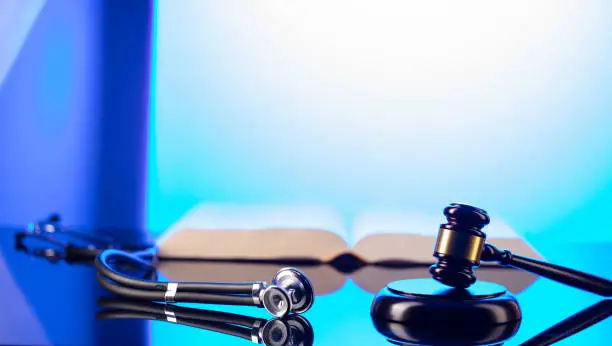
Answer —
45 303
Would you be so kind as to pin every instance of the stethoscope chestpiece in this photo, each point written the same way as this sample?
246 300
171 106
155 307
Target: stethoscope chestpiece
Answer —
292 330
290 291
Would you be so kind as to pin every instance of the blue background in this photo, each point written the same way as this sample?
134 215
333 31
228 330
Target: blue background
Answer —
399 105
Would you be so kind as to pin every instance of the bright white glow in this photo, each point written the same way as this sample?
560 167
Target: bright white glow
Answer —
363 104
16 20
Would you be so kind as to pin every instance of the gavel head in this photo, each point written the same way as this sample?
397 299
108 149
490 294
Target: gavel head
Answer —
459 245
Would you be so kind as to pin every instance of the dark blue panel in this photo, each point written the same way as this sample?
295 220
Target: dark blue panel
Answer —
123 121
73 122
122 128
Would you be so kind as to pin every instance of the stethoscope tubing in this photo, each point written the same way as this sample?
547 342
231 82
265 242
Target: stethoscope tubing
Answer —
140 289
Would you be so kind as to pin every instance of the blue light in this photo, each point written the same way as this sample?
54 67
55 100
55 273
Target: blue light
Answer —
17 17
274 102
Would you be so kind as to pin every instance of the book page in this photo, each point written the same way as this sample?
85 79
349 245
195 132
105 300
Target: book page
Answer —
225 231
410 236
394 236
395 221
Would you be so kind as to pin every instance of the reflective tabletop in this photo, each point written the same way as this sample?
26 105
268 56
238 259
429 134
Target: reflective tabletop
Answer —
59 303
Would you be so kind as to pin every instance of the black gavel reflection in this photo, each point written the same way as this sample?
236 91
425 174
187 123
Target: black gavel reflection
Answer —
572 325
291 330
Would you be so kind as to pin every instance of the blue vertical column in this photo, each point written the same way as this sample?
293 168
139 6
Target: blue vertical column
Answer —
125 51
120 178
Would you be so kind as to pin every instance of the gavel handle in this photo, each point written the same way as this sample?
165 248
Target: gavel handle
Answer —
571 277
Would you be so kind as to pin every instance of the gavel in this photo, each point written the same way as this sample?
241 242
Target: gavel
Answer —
461 246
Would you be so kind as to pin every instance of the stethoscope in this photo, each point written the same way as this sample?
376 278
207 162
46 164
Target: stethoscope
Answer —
290 290
290 330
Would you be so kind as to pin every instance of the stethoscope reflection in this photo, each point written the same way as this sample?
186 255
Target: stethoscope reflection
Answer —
291 330
448 334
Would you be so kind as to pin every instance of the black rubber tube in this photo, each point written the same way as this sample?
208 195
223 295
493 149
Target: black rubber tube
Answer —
103 260
129 314
224 328
103 265
207 298
179 311
218 287
130 293
187 297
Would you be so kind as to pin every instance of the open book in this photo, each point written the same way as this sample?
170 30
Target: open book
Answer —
286 233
